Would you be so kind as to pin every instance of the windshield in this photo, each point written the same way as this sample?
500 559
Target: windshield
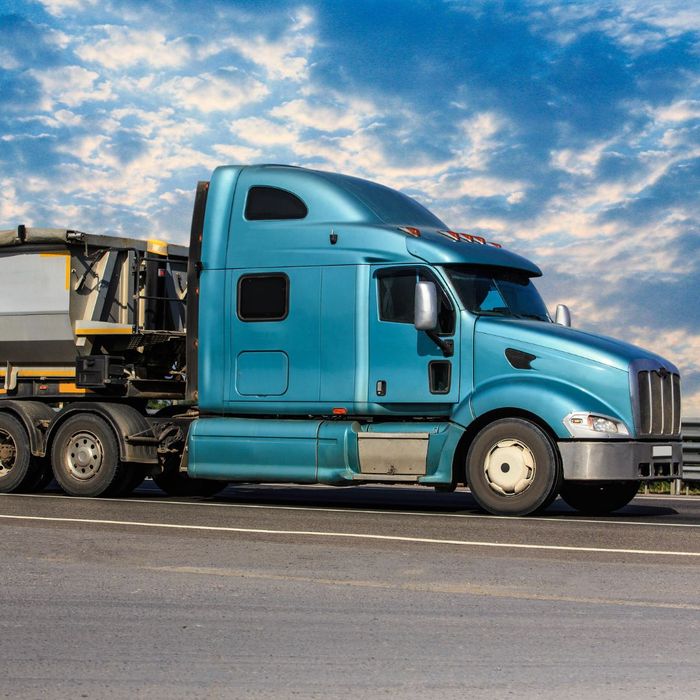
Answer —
495 291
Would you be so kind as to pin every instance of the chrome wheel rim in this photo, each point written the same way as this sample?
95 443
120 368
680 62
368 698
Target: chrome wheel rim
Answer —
510 467
84 455
8 453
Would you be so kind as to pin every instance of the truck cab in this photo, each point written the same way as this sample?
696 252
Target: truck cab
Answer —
345 335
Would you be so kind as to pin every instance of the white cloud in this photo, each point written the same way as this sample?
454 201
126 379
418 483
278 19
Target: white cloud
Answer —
175 196
679 111
582 161
12 210
280 60
68 118
61 7
342 115
227 90
480 132
125 47
71 86
285 58
263 132
237 154
477 186
8 60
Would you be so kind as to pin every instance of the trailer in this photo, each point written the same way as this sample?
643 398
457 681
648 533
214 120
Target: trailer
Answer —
92 328
319 329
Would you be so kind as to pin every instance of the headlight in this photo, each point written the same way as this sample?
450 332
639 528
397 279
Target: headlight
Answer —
592 425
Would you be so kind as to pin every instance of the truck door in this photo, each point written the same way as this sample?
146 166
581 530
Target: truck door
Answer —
405 365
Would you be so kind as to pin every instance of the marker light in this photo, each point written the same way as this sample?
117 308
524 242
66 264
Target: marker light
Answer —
410 230
340 411
471 238
452 235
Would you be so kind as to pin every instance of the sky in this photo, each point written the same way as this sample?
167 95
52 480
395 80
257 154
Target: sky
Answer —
567 131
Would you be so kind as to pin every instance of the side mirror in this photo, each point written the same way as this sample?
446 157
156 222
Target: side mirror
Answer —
426 309
563 315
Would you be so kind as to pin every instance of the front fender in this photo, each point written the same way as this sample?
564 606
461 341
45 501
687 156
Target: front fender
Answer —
548 398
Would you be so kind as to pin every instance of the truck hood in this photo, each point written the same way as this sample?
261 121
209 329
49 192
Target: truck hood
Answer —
589 346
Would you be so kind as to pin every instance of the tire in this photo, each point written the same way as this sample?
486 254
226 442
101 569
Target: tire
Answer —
85 457
176 483
513 468
132 477
598 497
43 477
19 469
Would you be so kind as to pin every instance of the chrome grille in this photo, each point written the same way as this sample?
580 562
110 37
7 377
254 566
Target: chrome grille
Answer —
659 396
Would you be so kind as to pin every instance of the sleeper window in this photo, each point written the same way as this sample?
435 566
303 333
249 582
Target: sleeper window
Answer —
263 297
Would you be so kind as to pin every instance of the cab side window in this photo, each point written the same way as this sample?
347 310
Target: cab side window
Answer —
397 294
273 204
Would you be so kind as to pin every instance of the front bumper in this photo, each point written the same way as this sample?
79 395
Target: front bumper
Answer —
585 460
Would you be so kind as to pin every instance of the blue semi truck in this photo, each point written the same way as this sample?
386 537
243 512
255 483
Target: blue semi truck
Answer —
319 329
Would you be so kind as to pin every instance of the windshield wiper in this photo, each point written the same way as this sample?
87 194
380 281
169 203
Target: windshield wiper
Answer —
536 317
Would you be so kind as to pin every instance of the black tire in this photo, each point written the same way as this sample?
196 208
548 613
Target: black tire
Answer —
132 477
176 483
85 457
513 468
43 477
19 469
598 497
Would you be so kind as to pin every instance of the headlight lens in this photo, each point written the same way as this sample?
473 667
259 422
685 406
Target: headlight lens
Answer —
591 425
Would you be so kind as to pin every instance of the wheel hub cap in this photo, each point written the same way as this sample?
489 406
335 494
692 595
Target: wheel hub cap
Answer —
7 453
509 467
84 455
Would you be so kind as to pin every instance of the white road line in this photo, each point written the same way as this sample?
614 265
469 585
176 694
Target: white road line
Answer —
366 511
353 535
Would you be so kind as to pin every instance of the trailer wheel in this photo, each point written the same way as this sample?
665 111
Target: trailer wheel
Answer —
19 470
44 475
598 497
176 483
513 468
85 457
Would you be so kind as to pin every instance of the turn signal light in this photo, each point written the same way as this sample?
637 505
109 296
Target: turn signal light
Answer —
410 230
340 411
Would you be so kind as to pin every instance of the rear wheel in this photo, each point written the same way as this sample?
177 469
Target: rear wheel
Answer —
176 483
85 457
598 497
19 469
513 468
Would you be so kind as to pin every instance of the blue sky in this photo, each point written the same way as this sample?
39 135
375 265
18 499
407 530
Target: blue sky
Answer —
570 132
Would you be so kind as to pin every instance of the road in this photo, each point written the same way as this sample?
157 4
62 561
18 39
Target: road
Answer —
314 592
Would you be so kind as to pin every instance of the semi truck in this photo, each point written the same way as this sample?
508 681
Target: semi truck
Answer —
319 329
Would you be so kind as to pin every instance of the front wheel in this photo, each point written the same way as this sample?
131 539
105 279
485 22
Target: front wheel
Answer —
513 468
598 497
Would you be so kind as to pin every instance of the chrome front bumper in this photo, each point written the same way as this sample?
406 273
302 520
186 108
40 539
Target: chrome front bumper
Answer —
586 460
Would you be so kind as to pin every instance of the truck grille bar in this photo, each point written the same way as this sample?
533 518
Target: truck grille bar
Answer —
659 397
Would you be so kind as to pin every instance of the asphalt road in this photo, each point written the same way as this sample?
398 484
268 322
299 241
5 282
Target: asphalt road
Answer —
326 593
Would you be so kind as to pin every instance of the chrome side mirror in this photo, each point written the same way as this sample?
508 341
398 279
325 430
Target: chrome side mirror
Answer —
426 309
563 315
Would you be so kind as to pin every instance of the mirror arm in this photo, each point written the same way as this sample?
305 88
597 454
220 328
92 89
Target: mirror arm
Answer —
447 346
